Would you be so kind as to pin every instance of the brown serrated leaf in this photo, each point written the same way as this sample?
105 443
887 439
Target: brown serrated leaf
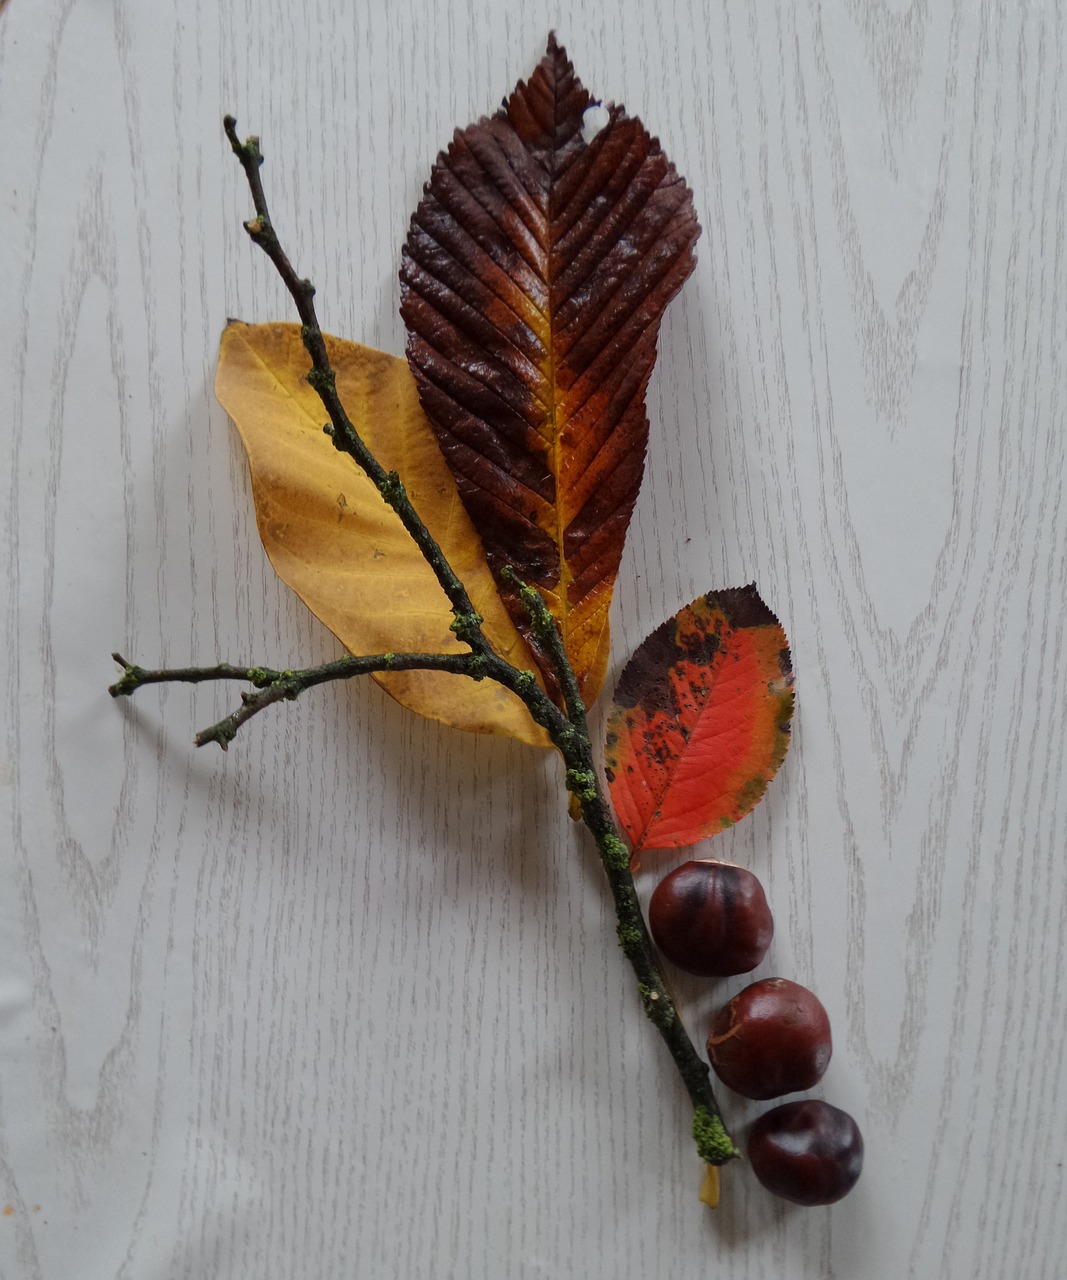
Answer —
333 540
535 274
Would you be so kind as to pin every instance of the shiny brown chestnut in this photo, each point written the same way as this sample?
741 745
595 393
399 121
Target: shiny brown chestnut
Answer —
711 918
772 1038
808 1152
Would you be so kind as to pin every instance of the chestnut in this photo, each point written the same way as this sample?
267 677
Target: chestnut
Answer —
711 918
772 1038
808 1152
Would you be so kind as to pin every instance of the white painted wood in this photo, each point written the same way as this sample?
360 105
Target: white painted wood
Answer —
346 1002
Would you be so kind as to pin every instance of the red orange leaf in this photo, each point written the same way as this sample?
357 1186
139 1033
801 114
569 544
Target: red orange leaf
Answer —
700 721
535 274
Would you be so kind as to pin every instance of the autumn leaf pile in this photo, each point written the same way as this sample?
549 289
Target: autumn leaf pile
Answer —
535 274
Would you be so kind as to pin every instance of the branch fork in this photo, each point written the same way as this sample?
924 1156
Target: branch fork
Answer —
567 727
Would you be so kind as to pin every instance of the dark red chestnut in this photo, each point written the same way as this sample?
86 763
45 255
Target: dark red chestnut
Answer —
711 918
808 1152
772 1038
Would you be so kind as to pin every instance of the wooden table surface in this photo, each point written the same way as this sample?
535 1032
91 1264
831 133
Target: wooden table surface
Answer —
346 1002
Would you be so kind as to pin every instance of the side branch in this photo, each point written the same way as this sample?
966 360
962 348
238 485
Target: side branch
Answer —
547 632
466 622
283 686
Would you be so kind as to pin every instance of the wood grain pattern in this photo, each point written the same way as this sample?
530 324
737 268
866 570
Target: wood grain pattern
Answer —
346 1002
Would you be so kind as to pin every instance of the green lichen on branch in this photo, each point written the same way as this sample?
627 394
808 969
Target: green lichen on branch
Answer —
581 783
631 939
658 1005
323 380
614 852
714 1144
467 627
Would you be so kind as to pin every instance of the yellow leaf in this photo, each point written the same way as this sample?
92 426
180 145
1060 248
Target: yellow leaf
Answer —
333 540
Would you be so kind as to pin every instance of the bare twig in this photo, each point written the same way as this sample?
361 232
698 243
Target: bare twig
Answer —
466 622
283 686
